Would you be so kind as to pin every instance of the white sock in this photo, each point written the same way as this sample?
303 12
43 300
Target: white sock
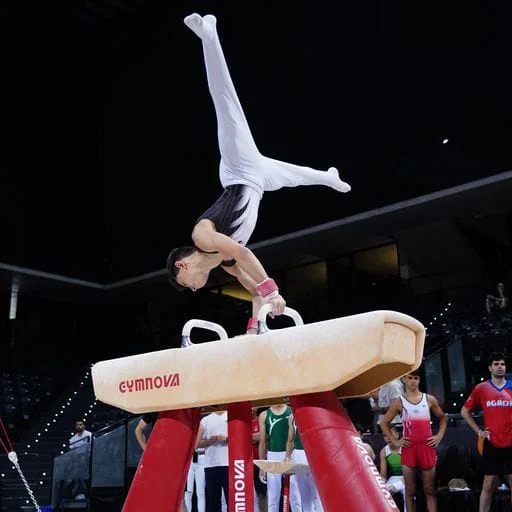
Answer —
203 27
337 183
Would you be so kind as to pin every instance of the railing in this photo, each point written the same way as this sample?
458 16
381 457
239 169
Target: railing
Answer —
80 442
105 463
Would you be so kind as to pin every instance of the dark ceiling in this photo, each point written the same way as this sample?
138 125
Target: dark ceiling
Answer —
109 137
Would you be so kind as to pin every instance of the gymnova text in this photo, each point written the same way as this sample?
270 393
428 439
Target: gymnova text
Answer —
147 383
240 494
375 473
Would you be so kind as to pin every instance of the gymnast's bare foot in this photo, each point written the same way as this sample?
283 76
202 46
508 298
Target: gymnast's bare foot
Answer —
203 27
337 183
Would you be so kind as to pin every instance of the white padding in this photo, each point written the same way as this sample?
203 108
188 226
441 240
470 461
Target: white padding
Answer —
352 355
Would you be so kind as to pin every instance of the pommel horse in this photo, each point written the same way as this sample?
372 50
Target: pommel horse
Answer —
309 366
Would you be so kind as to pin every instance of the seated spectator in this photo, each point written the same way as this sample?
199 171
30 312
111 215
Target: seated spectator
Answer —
391 464
496 304
81 436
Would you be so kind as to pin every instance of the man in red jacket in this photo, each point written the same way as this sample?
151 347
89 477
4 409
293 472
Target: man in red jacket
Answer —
494 397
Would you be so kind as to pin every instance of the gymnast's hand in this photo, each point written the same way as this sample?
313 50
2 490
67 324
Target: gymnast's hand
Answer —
278 304
405 441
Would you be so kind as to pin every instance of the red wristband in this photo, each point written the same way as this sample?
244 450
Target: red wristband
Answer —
267 287
252 323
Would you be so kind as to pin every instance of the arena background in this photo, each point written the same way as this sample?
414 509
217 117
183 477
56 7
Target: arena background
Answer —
110 154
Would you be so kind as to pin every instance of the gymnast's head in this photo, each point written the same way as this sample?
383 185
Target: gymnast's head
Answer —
184 269
411 381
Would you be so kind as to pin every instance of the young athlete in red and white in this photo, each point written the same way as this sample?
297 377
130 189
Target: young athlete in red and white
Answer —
494 397
418 443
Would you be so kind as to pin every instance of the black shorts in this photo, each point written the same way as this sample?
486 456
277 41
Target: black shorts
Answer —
496 461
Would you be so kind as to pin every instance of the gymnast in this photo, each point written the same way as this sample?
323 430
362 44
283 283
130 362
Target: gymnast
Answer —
222 232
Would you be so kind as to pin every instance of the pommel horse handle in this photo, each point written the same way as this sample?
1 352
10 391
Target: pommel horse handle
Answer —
201 324
267 308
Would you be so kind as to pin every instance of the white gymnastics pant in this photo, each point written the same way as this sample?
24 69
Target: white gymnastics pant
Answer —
196 474
274 488
241 162
308 492
398 483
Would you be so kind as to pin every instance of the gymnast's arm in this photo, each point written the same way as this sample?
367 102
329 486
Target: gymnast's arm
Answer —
291 439
243 278
201 441
262 448
211 240
250 285
139 433
394 409
253 272
434 440
383 464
